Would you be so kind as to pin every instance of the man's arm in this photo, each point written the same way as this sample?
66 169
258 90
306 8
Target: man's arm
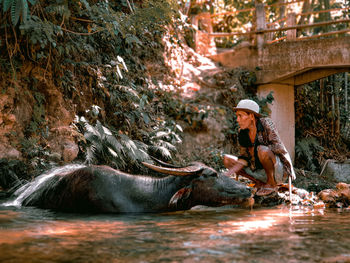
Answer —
234 164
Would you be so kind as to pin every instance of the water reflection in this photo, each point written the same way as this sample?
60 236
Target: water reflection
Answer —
205 235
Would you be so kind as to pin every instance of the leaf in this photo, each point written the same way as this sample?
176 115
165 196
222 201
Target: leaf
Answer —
146 118
121 60
161 135
119 72
87 6
130 39
179 127
112 152
25 10
7 4
114 143
16 11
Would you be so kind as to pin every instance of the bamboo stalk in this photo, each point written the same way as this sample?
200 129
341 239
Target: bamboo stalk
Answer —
337 84
333 106
346 93
322 94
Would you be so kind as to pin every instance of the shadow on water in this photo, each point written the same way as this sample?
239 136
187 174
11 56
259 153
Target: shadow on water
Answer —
198 235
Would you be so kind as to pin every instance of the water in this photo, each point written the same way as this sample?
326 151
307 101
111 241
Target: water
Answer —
202 234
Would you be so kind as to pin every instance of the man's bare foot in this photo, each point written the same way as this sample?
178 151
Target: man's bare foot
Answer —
265 190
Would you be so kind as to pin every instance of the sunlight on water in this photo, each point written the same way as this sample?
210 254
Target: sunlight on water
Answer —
277 234
249 225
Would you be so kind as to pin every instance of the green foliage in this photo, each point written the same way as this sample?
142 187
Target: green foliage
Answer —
38 119
264 102
320 112
41 33
306 151
216 159
104 145
189 111
17 8
35 152
163 138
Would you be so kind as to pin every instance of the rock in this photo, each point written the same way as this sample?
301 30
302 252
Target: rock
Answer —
299 197
62 143
339 197
8 152
70 151
338 171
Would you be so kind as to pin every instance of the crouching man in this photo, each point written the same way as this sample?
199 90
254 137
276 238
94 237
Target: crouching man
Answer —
263 156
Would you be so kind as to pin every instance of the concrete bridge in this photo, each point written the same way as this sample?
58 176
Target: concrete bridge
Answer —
281 66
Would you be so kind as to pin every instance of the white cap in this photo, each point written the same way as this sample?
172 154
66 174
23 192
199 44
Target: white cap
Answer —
248 106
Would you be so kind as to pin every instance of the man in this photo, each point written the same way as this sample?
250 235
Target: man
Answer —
263 157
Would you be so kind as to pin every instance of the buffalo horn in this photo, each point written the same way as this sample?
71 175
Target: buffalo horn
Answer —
189 170
164 163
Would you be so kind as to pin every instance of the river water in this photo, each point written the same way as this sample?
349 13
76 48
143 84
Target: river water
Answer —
279 234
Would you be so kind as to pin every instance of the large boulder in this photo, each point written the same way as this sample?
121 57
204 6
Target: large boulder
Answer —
337 171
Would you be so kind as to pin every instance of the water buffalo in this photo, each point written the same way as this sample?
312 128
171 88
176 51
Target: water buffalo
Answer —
103 189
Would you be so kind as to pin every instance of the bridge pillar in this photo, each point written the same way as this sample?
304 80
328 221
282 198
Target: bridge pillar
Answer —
282 112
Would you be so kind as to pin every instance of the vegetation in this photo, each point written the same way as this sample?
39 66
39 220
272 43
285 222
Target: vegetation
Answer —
244 19
322 122
96 55
83 49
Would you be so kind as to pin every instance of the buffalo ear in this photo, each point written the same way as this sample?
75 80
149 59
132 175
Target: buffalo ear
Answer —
180 196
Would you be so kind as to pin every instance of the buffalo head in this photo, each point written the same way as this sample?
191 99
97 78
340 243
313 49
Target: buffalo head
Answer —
206 187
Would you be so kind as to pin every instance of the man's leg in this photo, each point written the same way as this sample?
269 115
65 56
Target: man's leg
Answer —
268 160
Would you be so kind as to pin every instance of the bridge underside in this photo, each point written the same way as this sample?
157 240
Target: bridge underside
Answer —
280 67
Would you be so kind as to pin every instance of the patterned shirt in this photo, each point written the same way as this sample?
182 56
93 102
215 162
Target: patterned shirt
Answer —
267 135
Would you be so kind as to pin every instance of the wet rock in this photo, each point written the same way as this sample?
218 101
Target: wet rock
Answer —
338 171
338 197
269 200
299 197
312 182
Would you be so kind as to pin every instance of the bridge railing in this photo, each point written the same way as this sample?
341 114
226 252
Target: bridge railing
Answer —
262 33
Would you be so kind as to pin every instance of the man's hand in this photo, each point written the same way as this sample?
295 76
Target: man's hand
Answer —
231 173
234 165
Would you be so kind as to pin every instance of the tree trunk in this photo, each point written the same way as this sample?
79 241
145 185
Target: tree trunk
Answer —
337 86
282 12
326 16
322 95
346 93
306 8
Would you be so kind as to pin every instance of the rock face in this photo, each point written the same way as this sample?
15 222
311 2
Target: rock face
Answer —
338 171
29 111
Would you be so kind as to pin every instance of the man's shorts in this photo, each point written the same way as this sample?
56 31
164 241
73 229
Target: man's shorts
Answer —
260 174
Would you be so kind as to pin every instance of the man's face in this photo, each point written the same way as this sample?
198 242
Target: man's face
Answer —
244 119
